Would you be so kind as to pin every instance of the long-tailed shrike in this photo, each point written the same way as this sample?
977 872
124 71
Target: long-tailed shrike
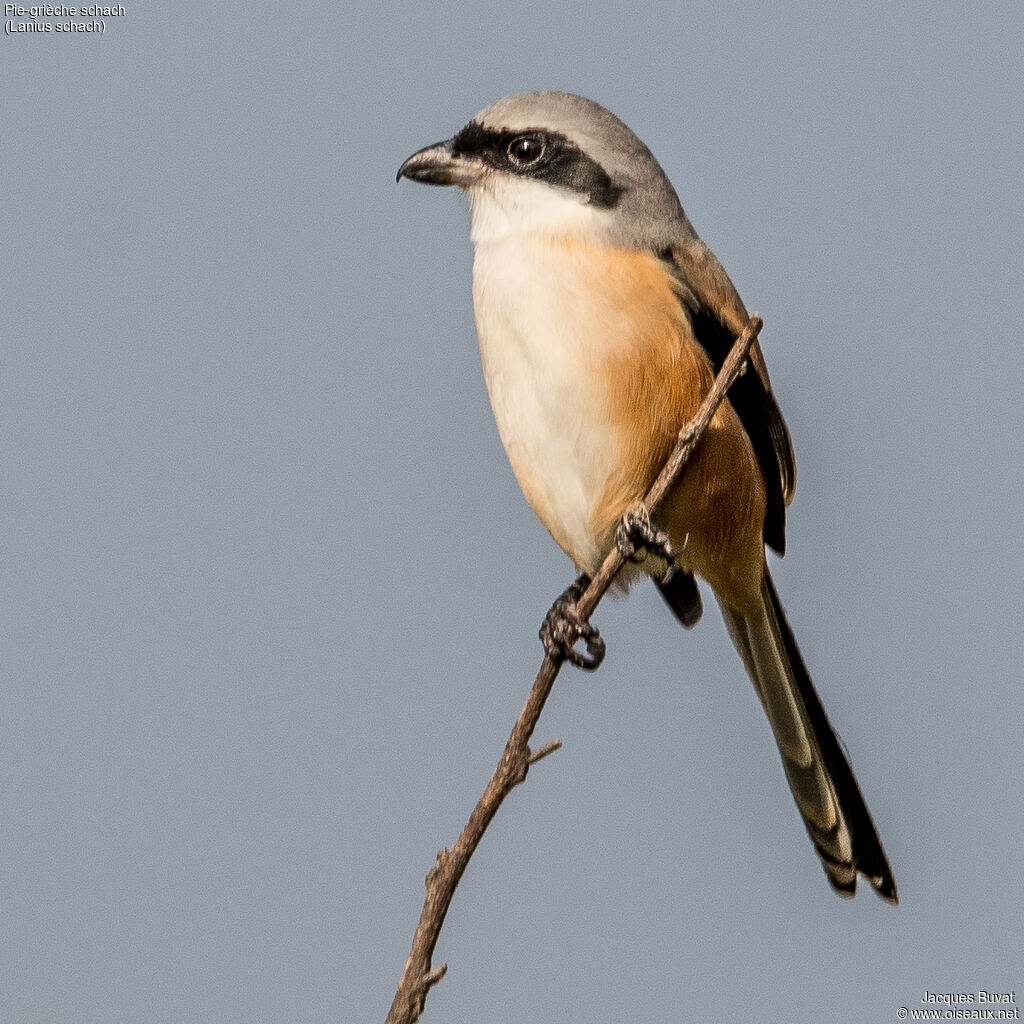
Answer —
602 319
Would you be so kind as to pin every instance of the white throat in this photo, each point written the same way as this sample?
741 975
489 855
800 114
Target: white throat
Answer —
502 205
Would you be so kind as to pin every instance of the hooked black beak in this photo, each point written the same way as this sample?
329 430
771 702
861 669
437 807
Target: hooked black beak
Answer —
439 165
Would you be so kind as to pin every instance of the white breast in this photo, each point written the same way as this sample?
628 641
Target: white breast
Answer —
542 359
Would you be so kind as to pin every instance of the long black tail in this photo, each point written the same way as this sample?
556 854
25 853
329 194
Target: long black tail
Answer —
819 775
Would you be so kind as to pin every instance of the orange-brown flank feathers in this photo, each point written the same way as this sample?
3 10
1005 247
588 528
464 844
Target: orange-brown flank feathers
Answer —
593 369
655 378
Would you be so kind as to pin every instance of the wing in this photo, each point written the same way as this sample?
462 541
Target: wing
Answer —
718 315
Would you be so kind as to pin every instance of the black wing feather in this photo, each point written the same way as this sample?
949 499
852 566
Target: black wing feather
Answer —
761 418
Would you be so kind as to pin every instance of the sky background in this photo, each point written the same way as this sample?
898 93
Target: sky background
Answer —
270 592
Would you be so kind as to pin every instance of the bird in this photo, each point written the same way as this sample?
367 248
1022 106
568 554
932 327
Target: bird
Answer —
602 319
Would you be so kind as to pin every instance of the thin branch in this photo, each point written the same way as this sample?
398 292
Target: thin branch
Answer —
443 878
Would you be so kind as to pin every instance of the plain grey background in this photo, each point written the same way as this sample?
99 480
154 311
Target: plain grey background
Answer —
270 592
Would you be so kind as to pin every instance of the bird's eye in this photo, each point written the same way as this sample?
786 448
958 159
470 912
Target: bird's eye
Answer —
525 150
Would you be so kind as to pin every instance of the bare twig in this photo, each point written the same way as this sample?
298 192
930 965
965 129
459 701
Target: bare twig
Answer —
549 748
419 976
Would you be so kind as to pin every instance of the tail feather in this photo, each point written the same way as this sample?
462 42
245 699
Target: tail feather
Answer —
683 596
823 784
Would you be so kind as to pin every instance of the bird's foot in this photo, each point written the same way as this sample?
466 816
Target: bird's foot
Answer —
562 630
637 537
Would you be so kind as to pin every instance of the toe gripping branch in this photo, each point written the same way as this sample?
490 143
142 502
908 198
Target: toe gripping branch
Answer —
637 537
563 628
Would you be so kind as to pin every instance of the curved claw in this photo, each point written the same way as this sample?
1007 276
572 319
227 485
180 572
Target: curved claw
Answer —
562 629
637 537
